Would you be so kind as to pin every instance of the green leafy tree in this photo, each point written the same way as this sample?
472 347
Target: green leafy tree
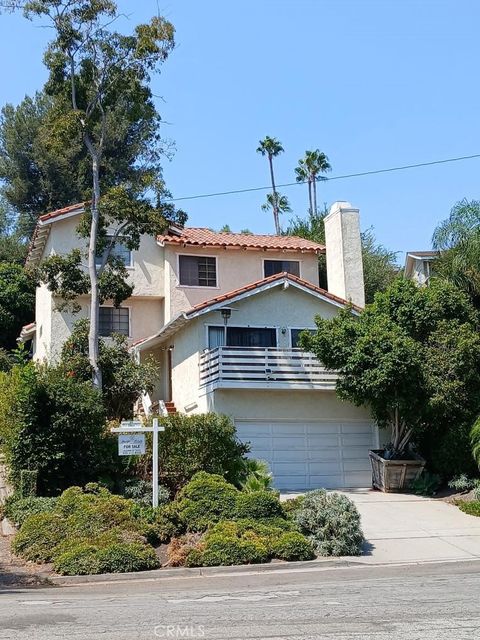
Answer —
13 247
124 380
271 147
309 170
412 357
458 241
380 266
17 302
99 79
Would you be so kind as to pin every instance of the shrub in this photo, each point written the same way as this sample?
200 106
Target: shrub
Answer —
17 510
203 442
180 548
472 508
118 557
258 504
291 505
426 485
51 424
28 483
463 483
81 559
127 557
39 535
258 476
331 522
206 499
228 547
292 546
141 491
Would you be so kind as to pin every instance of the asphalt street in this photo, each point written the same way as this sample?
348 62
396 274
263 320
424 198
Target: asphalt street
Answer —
414 602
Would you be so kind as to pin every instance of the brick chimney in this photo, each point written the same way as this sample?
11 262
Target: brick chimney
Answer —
344 253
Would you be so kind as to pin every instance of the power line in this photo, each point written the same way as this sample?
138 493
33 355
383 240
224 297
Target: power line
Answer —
344 177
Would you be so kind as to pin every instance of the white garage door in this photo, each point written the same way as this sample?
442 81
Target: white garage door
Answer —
310 455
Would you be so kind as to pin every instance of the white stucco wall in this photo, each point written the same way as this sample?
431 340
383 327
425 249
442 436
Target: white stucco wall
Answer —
278 307
43 318
235 268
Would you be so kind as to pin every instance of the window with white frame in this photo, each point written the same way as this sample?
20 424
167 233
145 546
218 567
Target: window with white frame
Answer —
114 320
271 267
119 251
295 336
197 271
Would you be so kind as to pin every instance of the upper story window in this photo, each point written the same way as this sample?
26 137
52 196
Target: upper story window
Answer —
295 336
197 271
271 267
118 251
114 320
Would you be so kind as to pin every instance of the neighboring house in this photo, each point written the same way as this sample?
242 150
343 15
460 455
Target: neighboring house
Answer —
418 266
222 312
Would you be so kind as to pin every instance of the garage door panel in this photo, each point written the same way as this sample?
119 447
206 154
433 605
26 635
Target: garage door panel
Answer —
326 482
360 439
309 455
356 427
356 465
327 428
321 441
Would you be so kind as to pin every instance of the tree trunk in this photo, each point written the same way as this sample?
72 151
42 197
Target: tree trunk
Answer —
314 180
93 346
276 216
310 209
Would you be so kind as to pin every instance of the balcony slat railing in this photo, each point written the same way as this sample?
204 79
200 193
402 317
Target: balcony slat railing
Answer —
272 366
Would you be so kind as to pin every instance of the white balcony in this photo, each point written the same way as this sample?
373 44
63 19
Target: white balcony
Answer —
263 368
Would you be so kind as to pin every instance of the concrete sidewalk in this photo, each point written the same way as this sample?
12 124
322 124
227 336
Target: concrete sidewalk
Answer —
408 528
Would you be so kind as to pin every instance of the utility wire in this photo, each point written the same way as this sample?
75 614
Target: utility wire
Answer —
325 179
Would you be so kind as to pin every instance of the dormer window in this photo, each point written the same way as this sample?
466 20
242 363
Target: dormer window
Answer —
271 267
197 271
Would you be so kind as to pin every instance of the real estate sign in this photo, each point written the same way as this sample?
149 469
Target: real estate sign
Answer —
131 444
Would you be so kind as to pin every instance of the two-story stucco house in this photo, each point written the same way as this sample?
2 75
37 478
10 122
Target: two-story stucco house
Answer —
221 312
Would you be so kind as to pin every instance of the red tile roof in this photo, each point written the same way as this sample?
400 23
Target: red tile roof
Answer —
202 237
61 212
260 283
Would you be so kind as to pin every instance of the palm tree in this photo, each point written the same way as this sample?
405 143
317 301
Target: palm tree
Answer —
457 239
279 204
271 147
308 170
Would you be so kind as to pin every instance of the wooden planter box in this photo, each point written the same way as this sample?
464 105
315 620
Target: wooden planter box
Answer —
394 475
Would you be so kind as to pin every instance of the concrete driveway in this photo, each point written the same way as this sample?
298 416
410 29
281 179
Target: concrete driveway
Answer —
406 528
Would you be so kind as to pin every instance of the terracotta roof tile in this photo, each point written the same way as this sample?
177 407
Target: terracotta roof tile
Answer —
259 283
202 237
61 212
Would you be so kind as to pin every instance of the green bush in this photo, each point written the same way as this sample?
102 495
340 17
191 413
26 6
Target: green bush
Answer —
81 559
17 510
291 505
258 504
28 483
39 535
331 522
426 485
257 476
292 546
202 442
52 424
472 508
206 499
141 491
118 557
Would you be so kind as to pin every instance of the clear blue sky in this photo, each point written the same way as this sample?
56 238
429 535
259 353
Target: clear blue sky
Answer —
373 83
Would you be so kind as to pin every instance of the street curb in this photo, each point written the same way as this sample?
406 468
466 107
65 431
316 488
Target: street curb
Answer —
182 572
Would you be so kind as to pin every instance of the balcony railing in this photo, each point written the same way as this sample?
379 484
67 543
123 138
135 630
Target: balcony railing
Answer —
258 367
